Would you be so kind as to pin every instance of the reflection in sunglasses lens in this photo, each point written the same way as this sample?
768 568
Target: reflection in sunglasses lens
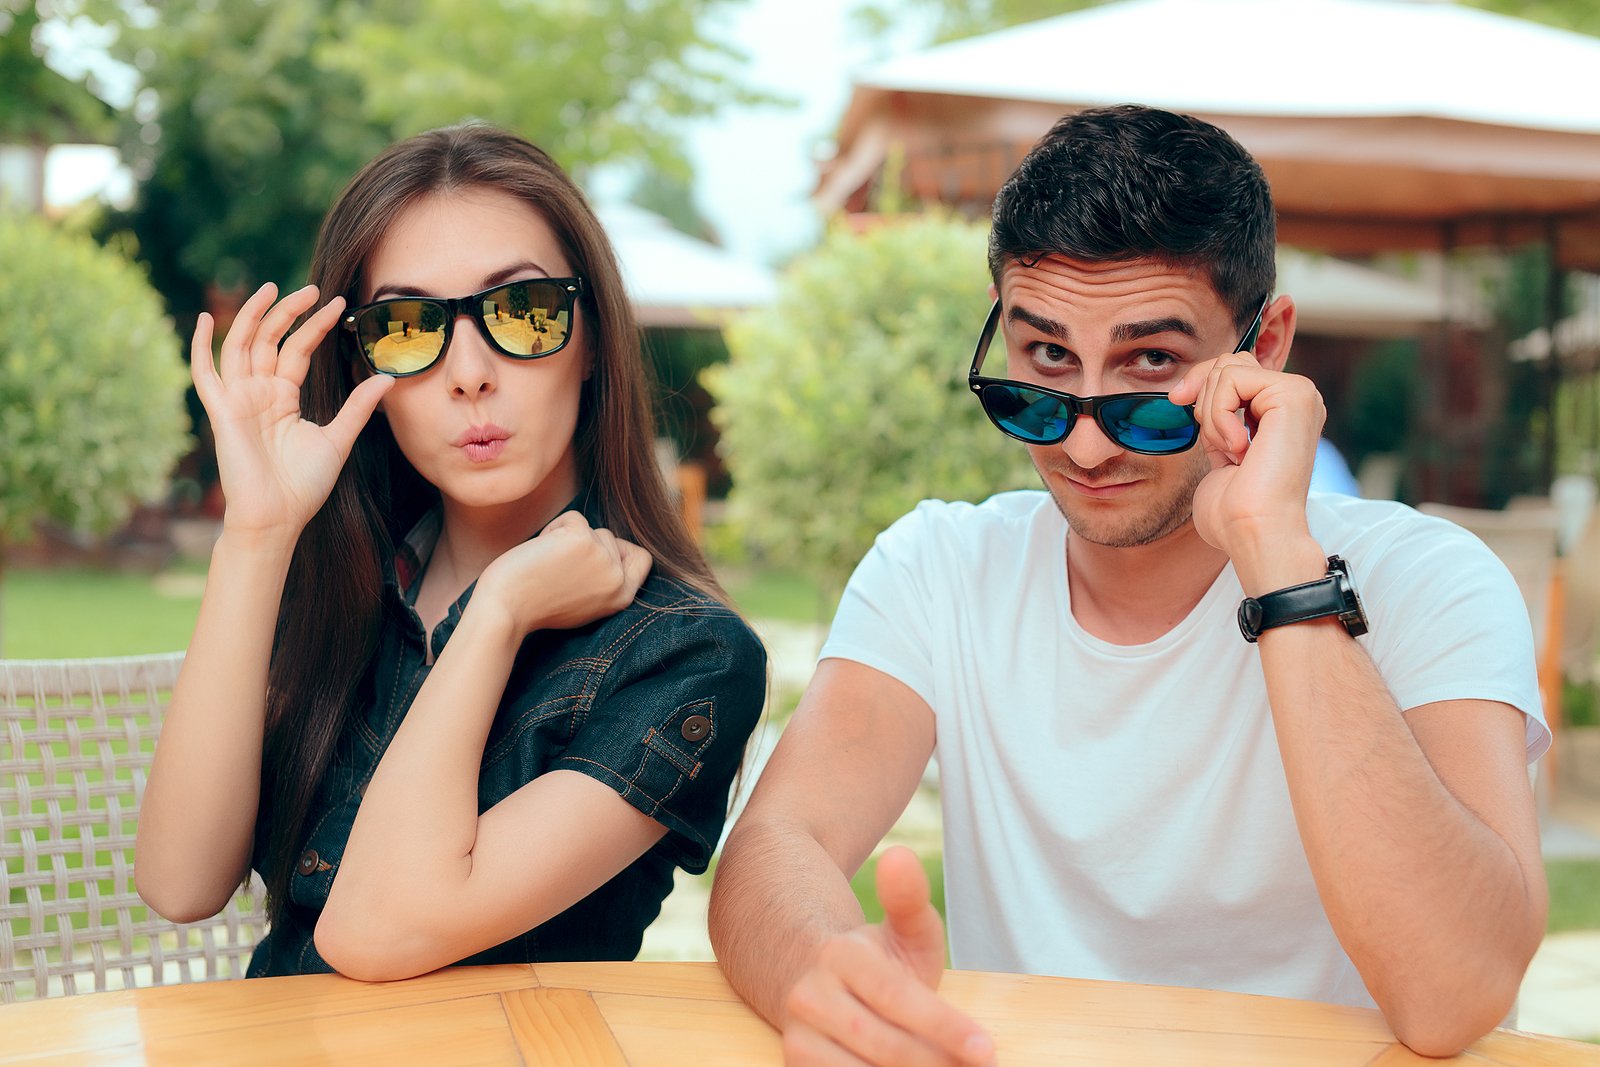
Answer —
401 336
1151 424
1032 416
526 318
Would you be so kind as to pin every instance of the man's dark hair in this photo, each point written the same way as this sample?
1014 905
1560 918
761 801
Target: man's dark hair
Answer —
1131 182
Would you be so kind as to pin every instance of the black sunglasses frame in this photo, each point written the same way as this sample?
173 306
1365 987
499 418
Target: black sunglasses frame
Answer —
571 290
1085 405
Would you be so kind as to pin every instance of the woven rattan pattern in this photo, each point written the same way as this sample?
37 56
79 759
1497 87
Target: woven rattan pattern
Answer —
76 737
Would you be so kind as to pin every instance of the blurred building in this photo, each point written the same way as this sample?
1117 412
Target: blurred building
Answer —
1384 126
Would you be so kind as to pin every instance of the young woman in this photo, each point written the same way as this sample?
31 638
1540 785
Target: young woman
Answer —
462 688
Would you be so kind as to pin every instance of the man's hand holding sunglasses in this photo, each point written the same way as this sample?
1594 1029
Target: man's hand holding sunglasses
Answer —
1259 427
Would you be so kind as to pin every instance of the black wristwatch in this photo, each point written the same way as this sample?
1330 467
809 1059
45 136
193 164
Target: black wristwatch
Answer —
1334 594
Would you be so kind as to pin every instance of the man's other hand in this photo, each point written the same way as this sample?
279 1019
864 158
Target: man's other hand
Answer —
870 997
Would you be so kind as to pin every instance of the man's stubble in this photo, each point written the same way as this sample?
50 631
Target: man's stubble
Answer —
1162 517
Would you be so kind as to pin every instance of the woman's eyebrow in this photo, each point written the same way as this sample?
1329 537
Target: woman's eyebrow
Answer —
489 281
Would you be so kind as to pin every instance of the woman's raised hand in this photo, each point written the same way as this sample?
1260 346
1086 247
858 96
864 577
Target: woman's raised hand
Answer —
571 574
276 467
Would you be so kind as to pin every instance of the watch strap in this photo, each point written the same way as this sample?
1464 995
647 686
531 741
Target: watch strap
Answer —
1301 603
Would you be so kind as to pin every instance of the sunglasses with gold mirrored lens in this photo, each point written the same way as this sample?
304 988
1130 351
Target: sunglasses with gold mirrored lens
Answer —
527 319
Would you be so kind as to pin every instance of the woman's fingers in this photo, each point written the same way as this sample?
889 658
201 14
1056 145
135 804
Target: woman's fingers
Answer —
274 325
636 563
358 407
294 357
241 335
201 370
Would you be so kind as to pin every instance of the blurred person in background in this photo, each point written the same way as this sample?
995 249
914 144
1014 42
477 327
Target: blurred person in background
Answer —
1173 746
462 688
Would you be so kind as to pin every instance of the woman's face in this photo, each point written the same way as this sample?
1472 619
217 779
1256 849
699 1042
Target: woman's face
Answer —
485 429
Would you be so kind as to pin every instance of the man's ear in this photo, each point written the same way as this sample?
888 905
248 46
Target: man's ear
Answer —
1277 334
994 294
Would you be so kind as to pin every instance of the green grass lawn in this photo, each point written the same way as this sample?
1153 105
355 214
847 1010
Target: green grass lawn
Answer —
1574 895
78 613
775 594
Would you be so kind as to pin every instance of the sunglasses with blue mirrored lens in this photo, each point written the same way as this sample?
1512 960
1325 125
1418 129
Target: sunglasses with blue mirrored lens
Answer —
1147 423
527 319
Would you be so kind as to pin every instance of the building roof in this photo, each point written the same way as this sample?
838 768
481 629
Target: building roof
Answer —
1332 58
677 280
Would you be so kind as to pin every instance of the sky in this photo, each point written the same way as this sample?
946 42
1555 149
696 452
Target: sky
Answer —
754 166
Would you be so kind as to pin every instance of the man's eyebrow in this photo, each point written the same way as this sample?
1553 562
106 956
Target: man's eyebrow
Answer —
1055 329
1132 331
489 281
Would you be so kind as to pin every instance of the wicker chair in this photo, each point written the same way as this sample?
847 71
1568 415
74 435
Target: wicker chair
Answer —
70 785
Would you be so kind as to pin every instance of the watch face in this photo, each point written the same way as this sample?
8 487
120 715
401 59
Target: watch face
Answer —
1354 615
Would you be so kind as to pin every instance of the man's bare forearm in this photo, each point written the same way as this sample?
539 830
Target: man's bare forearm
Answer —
777 897
1433 905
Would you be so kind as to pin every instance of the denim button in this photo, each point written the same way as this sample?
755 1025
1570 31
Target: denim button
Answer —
309 861
695 727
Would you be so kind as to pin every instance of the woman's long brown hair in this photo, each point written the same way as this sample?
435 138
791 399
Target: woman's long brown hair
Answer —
328 622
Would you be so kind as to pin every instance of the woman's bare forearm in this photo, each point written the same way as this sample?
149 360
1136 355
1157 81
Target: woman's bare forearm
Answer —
197 819
409 855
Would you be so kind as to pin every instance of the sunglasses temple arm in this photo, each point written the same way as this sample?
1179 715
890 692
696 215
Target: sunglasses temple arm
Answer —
1247 343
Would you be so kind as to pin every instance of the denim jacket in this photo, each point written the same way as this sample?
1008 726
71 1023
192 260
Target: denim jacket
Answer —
656 701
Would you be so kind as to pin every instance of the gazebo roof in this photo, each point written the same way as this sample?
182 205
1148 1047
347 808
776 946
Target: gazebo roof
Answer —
1301 58
676 280
1382 124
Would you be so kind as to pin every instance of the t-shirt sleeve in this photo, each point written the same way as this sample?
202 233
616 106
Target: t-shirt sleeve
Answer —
883 617
669 726
1447 623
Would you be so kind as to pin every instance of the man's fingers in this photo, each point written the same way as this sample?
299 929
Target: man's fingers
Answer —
805 1047
908 916
824 1003
889 989
358 408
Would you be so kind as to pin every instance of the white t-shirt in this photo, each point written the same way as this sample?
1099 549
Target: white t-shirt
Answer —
1120 812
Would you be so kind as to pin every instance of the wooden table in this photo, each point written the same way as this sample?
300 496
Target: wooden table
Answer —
647 1014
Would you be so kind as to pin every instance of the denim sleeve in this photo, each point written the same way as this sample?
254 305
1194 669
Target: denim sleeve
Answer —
668 729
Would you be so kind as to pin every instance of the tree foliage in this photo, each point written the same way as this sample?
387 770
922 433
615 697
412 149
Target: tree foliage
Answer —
587 80
1580 15
91 382
37 105
240 139
846 402
252 116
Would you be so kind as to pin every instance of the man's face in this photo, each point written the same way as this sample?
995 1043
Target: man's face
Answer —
1094 328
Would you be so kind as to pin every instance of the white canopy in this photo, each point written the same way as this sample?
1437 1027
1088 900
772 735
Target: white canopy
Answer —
1331 58
674 279
1382 124
1336 298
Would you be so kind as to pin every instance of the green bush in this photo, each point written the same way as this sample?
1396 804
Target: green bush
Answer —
846 402
91 382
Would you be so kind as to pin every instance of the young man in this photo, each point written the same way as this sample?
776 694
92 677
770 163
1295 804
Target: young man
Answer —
1133 790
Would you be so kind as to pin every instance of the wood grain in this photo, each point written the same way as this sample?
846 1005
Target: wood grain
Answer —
467 1032
560 1028
1123 1004
690 981
672 1014
659 1031
111 1019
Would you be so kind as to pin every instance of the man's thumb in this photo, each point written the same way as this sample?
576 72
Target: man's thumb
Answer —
908 917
